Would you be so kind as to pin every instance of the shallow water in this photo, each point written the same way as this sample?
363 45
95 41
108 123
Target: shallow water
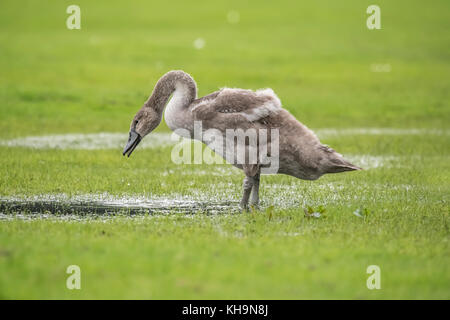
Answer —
219 198
208 201
108 140
331 132
92 208
90 141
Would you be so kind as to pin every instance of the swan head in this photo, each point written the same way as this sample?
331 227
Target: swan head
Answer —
150 115
144 122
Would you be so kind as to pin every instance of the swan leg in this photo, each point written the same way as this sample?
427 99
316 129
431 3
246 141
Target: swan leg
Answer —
247 186
254 200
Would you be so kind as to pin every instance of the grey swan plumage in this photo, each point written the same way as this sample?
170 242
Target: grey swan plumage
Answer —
300 153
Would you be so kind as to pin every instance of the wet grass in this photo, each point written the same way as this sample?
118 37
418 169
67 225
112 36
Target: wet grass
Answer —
318 58
179 256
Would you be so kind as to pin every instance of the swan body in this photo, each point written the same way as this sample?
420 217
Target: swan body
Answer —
299 151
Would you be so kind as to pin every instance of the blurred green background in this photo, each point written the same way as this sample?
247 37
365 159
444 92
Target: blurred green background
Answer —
316 56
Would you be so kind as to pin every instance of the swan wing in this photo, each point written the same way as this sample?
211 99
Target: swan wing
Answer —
236 108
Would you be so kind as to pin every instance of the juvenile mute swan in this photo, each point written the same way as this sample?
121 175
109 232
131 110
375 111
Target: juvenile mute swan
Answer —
298 151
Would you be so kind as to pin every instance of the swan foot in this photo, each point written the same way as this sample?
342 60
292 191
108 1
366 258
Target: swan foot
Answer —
243 207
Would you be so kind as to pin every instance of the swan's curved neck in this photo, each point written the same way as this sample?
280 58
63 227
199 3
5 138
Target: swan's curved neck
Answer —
181 84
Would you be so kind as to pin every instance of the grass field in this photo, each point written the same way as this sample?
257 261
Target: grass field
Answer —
321 60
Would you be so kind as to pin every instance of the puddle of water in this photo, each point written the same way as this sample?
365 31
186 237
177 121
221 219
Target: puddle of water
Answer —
98 208
219 198
107 140
92 141
208 201
80 206
331 132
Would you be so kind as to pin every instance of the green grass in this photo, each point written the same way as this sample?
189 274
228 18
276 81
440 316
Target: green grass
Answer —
317 57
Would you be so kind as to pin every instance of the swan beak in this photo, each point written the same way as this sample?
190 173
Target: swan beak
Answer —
133 141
